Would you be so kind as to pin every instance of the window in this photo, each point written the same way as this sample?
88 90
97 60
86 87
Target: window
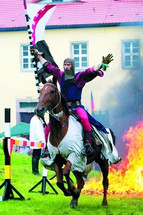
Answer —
79 54
131 54
26 58
25 109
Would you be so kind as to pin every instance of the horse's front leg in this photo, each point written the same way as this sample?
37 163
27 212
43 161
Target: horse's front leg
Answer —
76 193
67 168
71 187
66 173
105 182
59 175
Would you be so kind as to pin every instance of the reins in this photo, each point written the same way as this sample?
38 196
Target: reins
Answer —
58 115
51 109
51 112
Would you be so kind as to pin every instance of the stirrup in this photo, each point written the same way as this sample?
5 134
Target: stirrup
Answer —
88 150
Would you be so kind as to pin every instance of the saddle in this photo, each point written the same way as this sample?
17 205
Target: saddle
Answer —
95 139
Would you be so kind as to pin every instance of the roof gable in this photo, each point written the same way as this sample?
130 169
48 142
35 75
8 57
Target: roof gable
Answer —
88 12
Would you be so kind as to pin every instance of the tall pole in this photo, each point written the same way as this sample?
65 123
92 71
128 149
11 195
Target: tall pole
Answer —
9 188
44 178
7 169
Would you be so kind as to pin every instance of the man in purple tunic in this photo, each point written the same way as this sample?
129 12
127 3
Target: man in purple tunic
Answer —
71 85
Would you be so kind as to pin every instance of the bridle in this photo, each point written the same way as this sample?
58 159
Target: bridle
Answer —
51 109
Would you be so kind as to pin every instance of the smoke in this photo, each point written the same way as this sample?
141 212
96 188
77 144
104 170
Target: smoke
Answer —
128 108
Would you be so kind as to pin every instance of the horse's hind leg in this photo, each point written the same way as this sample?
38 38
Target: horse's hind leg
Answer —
76 193
105 170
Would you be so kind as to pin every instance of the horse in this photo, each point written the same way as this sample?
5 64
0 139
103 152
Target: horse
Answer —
65 144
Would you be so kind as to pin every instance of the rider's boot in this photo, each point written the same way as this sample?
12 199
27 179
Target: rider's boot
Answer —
88 150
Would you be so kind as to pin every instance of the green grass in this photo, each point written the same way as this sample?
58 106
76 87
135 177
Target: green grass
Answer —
51 204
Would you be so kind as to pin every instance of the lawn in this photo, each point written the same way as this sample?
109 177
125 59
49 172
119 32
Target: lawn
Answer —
51 204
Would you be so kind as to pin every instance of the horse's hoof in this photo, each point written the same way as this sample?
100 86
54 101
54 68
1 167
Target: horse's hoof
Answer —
104 203
73 203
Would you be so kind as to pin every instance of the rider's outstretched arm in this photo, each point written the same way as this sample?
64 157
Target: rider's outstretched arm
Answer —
105 63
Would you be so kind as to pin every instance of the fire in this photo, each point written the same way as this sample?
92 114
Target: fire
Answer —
127 177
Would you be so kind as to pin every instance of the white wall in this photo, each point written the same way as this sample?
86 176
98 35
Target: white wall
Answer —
16 84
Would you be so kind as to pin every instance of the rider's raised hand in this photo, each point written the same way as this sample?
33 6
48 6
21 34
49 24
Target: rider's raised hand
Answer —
38 54
107 59
35 52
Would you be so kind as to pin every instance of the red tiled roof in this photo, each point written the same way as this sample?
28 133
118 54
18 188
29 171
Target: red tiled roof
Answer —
98 12
87 12
12 14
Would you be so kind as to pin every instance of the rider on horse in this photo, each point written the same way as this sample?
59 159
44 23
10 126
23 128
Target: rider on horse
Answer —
71 85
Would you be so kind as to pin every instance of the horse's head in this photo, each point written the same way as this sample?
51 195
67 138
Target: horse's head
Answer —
48 98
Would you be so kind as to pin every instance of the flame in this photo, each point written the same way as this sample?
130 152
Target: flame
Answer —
126 178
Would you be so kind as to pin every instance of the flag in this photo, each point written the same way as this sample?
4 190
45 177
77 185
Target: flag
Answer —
92 103
38 41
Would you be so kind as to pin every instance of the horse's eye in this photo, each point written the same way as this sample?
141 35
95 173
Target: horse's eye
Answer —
52 92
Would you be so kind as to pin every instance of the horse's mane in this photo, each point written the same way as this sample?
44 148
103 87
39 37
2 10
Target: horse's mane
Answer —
65 105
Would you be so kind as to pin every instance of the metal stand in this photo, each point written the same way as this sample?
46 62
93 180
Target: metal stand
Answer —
43 181
8 192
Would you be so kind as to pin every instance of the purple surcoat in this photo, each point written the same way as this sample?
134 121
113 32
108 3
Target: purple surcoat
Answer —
72 89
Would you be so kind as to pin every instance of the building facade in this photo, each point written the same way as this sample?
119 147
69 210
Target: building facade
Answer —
86 42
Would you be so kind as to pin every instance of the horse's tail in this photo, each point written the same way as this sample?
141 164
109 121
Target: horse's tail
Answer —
113 136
